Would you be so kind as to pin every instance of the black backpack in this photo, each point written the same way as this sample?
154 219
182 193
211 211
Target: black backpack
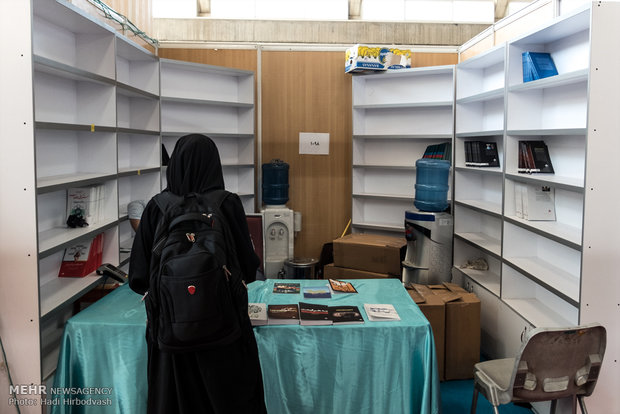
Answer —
195 275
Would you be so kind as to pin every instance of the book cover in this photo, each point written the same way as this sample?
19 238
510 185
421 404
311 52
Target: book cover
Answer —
345 314
540 155
314 292
78 259
339 286
313 314
287 314
286 287
540 201
381 312
257 313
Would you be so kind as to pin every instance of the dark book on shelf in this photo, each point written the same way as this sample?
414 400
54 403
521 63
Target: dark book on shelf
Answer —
286 287
287 314
534 158
313 314
481 154
441 151
345 314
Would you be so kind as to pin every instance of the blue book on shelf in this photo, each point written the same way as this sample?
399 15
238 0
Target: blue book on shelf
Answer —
537 65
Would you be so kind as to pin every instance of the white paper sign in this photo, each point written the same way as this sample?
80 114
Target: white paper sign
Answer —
315 143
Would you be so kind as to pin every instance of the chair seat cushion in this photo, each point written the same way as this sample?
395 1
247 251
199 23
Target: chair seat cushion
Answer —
499 370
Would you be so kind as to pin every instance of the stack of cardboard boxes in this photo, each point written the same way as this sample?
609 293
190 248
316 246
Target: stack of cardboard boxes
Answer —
454 315
366 256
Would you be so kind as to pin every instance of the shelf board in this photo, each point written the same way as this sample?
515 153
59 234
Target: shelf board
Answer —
485 278
403 136
384 167
379 227
128 172
474 134
136 131
60 182
482 96
214 135
480 170
436 104
133 92
195 101
384 196
565 183
547 132
560 232
552 278
73 127
59 238
62 70
64 290
537 313
483 241
483 206
561 79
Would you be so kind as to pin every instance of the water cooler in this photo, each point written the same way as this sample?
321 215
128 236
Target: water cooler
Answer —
279 222
428 229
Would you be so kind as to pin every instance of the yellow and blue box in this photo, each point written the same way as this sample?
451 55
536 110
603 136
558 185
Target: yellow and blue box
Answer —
362 58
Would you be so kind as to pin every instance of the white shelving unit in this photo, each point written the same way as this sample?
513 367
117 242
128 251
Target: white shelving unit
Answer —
217 102
396 115
545 273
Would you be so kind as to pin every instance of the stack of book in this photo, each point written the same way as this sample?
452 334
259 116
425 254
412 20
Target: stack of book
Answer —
534 158
534 202
537 65
86 202
441 151
481 154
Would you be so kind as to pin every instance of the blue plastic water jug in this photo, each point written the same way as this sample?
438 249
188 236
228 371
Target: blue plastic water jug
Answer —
275 182
431 188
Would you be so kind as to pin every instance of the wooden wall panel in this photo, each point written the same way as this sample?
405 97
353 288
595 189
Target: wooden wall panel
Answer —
433 59
309 92
232 58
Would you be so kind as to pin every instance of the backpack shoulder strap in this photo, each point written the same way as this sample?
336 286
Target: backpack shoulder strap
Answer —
165 199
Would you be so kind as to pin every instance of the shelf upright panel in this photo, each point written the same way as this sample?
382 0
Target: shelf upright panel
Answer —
396 116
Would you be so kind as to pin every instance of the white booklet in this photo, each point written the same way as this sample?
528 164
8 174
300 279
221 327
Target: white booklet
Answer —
381 312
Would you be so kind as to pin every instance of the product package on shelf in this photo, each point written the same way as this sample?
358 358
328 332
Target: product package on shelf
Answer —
362 58
82 259
537 65
85 205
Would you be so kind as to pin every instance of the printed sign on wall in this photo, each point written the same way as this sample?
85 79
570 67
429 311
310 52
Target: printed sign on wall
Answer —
314 143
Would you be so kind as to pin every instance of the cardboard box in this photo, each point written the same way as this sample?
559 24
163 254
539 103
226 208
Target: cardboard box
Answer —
331 271
370 252
462 330
434 309
361 58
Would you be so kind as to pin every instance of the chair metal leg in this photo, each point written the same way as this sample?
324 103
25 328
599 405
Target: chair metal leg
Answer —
474 401
582 404
554 404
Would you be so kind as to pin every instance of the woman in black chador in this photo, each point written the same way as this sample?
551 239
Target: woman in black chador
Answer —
221 380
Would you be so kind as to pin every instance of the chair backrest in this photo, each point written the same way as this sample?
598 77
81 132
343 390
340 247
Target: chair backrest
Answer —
559 362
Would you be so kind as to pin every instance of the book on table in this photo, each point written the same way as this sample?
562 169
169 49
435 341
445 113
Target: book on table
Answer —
313 314
258 313
317 292
340 286
291 287
286 314
381 312
345 314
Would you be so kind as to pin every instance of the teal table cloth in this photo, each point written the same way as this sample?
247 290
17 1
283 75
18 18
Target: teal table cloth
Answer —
371 368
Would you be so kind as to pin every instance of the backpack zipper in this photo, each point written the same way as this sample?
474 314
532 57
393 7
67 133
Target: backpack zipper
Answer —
227 272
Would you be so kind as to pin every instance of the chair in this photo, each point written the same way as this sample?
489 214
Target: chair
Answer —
553 363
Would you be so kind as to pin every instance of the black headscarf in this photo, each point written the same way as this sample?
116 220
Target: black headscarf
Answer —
194 166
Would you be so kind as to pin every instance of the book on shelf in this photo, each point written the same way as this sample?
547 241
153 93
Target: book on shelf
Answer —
341 286
535 202
534 158
481 154
316 292
381 312
345 314
314 314
281 287
82 258
441 151
286 314
257 313
85 202
537 65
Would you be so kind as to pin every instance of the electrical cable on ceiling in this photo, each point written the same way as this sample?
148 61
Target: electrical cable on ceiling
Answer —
123 21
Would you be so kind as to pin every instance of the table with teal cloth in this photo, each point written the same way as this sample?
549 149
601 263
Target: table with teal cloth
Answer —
375 367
